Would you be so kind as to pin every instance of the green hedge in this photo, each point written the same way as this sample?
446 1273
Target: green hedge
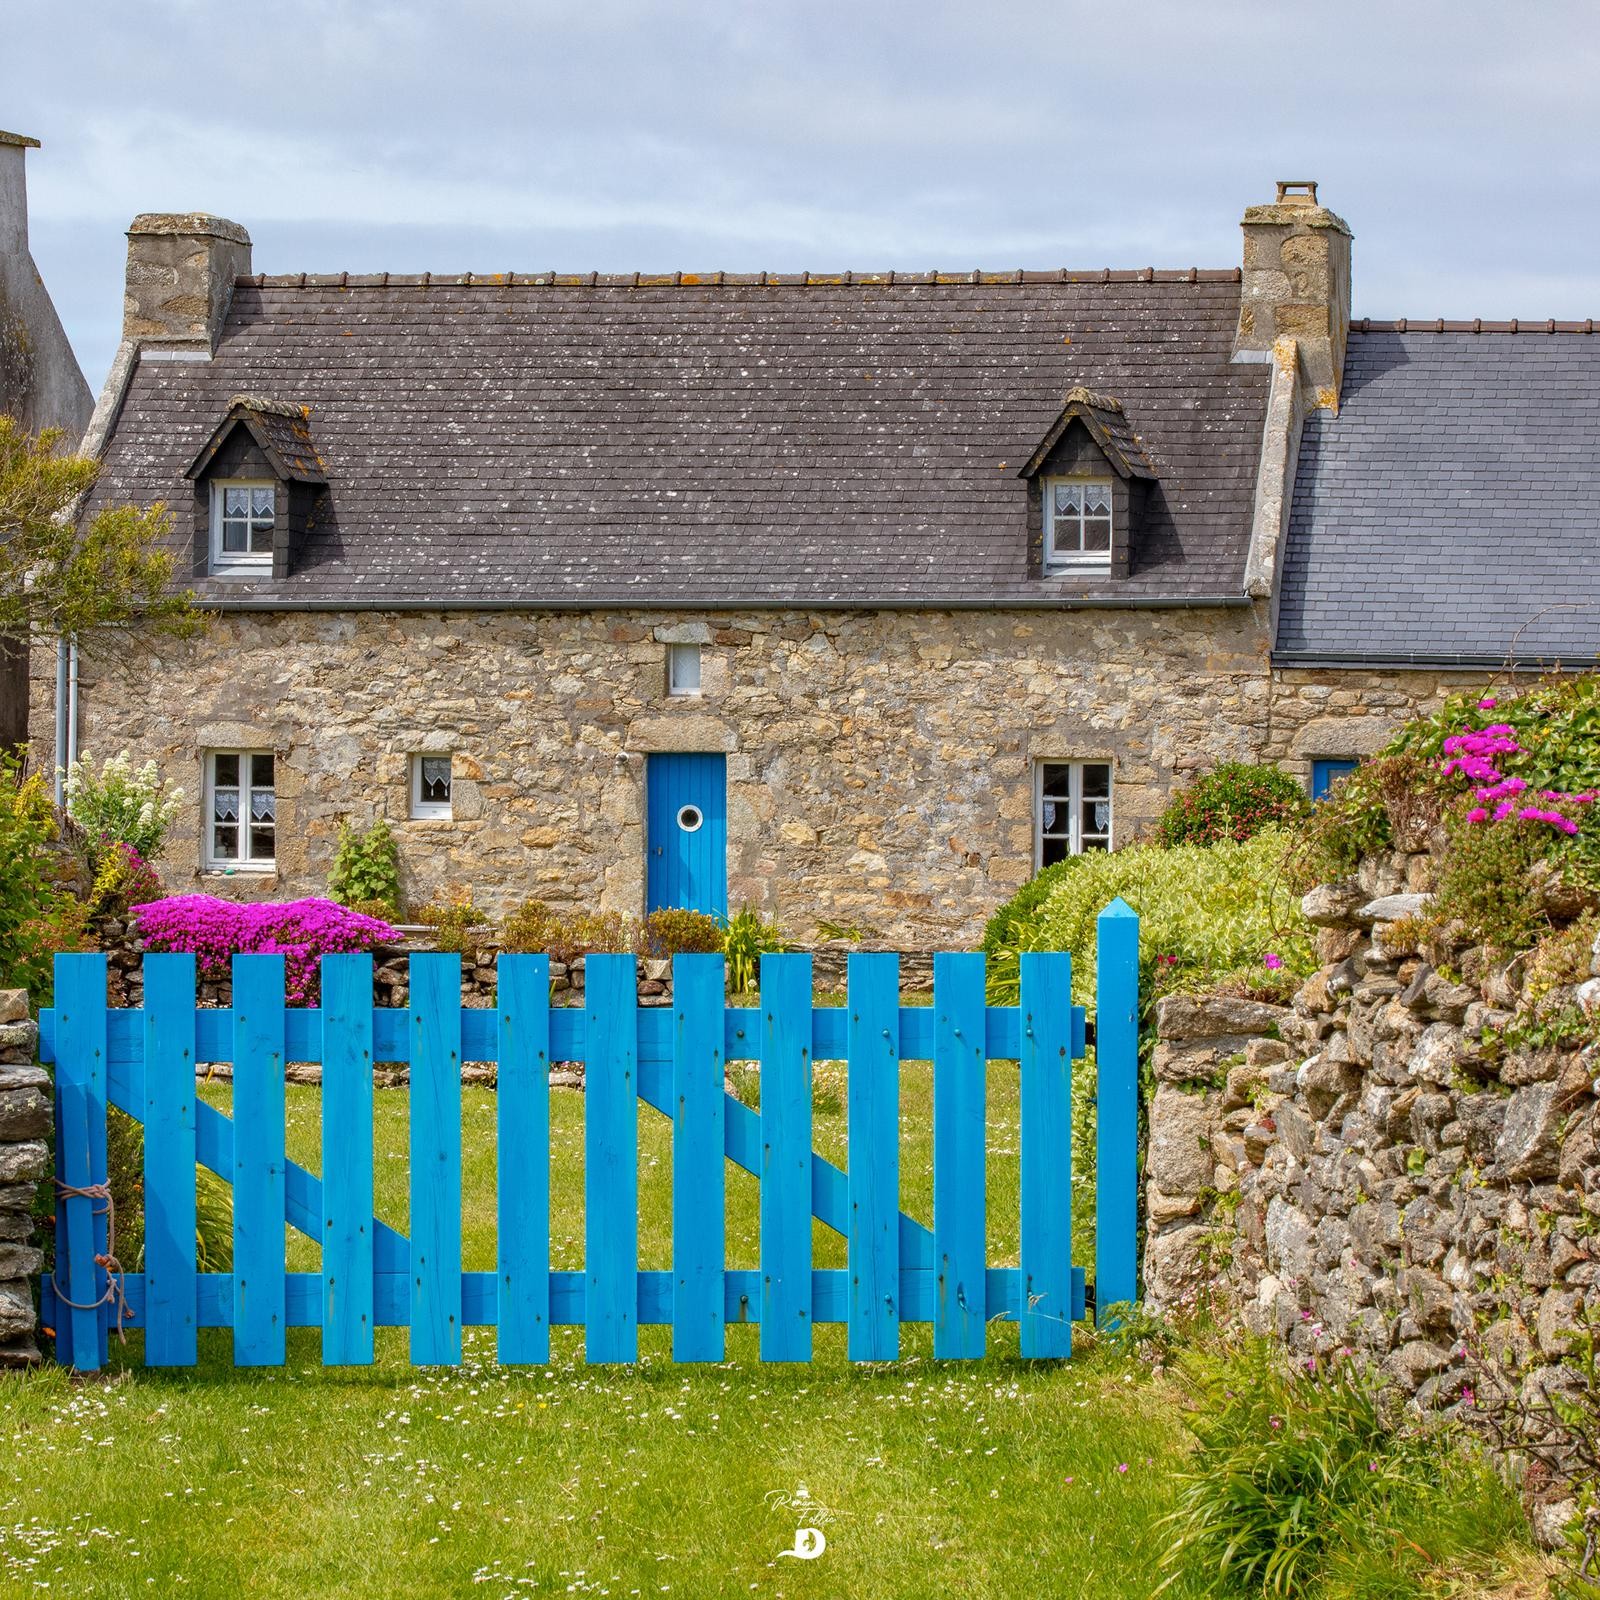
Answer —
1206 913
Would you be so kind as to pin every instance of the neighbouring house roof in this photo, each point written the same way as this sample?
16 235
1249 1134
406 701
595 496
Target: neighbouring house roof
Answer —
280 429
1108 426
1450 510
730 440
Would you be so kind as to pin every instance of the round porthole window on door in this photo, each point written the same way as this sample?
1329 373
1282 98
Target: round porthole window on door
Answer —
690 818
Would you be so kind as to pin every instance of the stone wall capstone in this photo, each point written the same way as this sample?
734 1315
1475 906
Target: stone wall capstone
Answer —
27 1119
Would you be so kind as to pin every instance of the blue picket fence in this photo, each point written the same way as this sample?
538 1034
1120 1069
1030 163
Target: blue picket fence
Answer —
899 1269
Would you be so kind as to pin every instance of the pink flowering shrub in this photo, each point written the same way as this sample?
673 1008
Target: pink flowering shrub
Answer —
1502 788
1478 755
302 931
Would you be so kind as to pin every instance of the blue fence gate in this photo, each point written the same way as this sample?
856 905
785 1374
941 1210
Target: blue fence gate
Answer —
899 1269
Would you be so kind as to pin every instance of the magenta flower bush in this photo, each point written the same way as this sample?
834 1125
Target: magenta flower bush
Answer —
1475 753
301 931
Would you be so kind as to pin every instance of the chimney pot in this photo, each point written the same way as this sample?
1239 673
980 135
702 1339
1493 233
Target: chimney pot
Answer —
1296 192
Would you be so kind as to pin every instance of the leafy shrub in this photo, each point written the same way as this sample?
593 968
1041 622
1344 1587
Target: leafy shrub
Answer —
536 926
453 922
1234 801
1301 1487
999 933
366 869
607 933
1484 880
302 931
124 878
39 914
670 931
118 805
1206 912
746 940
1555 725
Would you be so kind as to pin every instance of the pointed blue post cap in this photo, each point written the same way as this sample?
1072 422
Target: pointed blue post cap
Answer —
1118 908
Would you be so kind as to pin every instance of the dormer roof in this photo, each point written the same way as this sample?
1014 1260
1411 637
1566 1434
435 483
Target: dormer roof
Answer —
282 432
1108 426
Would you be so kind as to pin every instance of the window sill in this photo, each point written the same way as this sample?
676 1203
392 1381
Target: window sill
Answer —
242 574
247 869
1095 568
435 817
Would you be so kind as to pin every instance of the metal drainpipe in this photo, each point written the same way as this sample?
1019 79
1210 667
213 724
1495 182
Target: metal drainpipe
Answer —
72 702
61 716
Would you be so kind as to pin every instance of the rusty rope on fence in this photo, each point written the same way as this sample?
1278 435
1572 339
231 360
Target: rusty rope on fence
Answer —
112 1294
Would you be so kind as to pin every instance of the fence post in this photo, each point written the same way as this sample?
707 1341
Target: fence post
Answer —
611 1159
435 1159
1045 1155
171 1283
260 1175
80 1048
786 1171
1116 1268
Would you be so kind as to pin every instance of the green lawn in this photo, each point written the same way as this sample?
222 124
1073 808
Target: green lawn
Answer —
999 1478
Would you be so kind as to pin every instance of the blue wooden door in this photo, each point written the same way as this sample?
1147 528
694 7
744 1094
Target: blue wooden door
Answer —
686 833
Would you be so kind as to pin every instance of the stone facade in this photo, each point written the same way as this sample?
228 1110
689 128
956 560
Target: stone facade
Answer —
880 763
27 1117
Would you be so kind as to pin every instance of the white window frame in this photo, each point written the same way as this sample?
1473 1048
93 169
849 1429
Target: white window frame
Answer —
1059 561
1074 835
430 810
244 861
684 666
239 563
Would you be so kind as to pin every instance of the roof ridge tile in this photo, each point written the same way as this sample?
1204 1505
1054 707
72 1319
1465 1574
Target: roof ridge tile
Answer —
805 279
1475 325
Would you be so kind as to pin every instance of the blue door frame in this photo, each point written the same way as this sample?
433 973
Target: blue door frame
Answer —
686 833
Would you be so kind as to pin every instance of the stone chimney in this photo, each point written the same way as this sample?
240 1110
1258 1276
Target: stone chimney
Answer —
1297 286
14 192
41 383
180 279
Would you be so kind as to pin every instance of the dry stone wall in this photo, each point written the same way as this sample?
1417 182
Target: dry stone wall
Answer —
27 1118
1383 1166
880 764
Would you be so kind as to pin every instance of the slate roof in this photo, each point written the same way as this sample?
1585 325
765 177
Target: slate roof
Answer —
731 440
1450 512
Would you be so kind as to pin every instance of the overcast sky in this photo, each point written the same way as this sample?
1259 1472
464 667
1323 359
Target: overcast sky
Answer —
1458 140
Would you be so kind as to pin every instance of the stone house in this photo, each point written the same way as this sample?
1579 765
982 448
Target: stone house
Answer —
41 383
851 597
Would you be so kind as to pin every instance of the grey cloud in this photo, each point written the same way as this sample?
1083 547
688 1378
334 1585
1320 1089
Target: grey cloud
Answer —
619 134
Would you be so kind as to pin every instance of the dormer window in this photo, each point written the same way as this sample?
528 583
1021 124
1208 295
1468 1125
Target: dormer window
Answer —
1077 522
1088 480
257 484
244 514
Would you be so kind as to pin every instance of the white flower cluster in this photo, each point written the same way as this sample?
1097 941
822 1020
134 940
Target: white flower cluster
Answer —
117 804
